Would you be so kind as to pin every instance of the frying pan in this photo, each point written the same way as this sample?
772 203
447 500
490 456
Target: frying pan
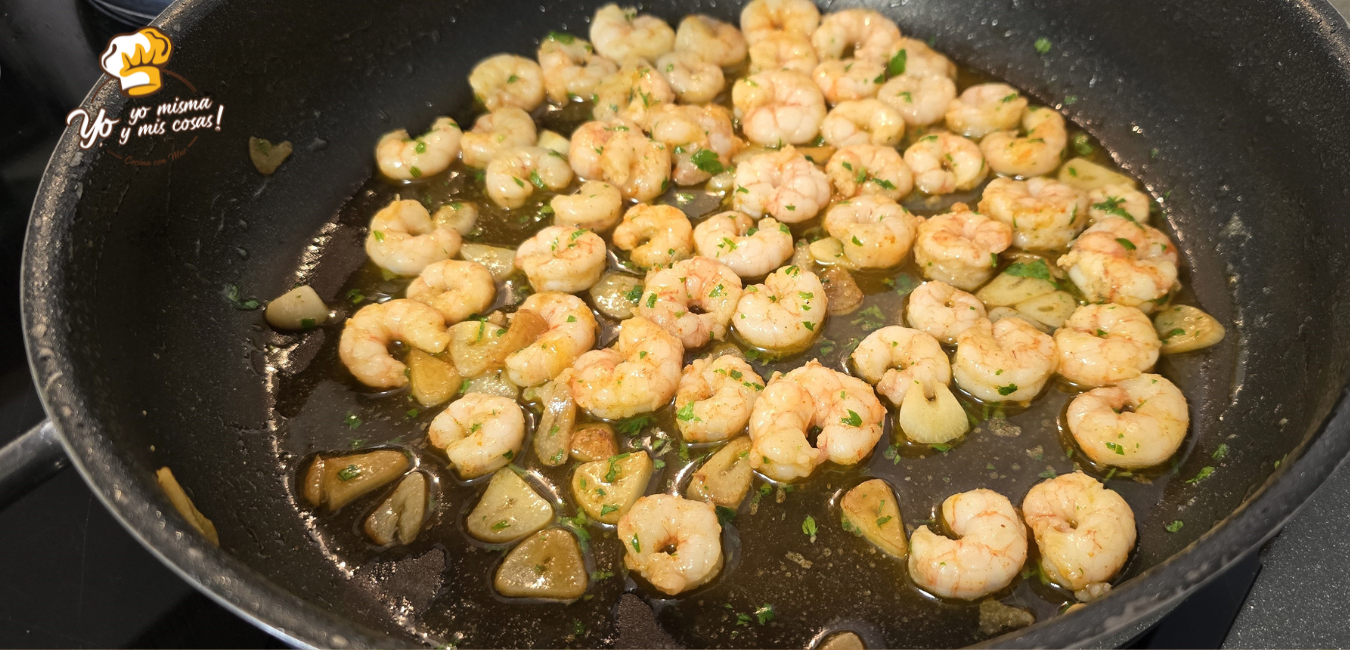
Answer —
1236 114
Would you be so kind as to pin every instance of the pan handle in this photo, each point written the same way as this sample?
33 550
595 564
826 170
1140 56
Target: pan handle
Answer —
29 460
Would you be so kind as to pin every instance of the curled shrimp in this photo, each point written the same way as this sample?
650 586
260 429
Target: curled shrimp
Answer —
961 247
508 80
571 332
639 374
631 93
943 311
621 33
702 138
842 80
693 300
865 121
921 100
763 18
896 359
595 206
1045 214
571 68
516 173
403 158
1139 422
714 398
945 162
915 58
845 409
782 184
694 79
497 131
1084 531
1117 201
404 239
364 346
778 107
783 313
860 169
619 153
1036 153
875 232
456 289
672 542
562 258
1124 262
717 42
783 51
987 554
985 108
1101 345
1008 361
479 433
655 235
750 250
866 33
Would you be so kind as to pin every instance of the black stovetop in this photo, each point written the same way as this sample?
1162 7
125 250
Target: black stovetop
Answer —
70 576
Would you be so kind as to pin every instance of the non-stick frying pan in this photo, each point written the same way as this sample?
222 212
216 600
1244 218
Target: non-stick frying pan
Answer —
1237 113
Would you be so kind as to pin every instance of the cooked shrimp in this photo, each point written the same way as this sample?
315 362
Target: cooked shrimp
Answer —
507 80
1117 201
403 158
1038 152
515 174
618 153
456 289
621 34
638 375
782 184
479 433
763 18
571 68
1105 268
915 58
844 408
866 121
876 232
461 216
783 51
1084 531
987 554
961 247
655 235
631 92
920 99
693 299
1105 344
751 250
1045 214
571 331
561 258
694 79
866 33
1139 422
497 131
364 346
1008 361
702 138
595 206
717 42
944 163
778 107
895 358
842 80
985 108
859 169
714 398
675 543
403 239
784 313
943 311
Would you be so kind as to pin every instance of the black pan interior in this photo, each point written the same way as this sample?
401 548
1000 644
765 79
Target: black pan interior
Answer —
1235 114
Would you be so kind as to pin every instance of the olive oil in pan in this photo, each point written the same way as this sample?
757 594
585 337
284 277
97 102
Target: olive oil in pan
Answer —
792 572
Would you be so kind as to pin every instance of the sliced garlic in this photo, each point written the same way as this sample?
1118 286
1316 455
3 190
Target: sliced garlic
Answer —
932 422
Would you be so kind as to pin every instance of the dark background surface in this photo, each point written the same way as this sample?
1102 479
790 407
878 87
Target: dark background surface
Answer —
72 577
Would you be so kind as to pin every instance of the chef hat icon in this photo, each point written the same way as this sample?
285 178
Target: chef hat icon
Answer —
135 59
